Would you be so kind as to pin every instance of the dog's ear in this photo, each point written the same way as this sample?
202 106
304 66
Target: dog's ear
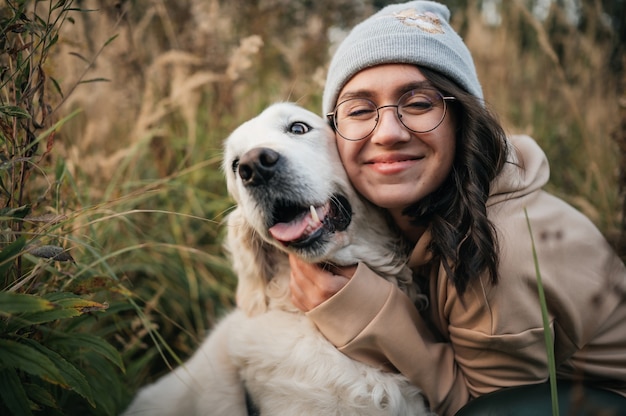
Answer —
251 259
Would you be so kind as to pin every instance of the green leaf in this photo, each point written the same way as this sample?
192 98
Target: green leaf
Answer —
57 86
23 357
54 40
12 303
74 379
91 343
67 305
89 81
103 376
12 393
81 305
19 212
40 395
59 296
36 318
79 56
59 4
111 39
13 111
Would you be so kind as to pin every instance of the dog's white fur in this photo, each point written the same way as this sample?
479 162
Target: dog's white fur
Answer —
267 347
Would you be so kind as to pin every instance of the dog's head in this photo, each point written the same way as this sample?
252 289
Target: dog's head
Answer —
284 172
293 195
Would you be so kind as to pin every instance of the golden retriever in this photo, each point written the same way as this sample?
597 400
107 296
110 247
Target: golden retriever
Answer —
283 170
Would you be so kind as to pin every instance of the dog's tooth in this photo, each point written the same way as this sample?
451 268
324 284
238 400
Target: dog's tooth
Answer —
314 214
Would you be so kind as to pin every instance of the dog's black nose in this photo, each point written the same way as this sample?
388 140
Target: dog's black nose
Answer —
257 166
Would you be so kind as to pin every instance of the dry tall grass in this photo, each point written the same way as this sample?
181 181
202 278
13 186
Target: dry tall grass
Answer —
552 80
136 171
182 69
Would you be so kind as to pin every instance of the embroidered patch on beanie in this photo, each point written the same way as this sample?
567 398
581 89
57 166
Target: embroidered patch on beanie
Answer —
428 22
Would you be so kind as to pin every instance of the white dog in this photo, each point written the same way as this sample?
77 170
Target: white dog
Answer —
292 194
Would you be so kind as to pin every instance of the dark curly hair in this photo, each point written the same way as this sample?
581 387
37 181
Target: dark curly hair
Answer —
463 238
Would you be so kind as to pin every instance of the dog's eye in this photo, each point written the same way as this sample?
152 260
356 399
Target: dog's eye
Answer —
235 165
299 128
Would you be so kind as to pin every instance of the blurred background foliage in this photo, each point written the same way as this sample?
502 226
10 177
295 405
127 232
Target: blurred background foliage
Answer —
112 115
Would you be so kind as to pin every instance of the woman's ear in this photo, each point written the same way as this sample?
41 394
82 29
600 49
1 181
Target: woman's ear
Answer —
250 256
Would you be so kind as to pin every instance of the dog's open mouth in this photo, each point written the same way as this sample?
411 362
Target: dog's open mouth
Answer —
300 226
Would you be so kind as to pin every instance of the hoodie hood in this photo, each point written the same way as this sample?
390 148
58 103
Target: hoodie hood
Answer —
525 171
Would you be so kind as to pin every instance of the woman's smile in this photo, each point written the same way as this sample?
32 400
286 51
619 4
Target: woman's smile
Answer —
391 164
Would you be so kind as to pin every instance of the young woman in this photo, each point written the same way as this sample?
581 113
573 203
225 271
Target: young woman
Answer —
417 140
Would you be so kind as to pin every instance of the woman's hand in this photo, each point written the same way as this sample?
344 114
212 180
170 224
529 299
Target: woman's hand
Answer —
312 284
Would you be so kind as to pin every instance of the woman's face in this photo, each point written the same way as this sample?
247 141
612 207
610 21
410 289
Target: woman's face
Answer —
394 167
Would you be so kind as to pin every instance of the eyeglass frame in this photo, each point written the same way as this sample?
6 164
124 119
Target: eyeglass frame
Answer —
332 116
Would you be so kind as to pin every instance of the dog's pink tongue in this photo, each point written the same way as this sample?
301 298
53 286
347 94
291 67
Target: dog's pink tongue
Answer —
295 230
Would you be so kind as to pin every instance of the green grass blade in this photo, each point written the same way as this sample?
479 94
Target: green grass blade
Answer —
546 325
9 253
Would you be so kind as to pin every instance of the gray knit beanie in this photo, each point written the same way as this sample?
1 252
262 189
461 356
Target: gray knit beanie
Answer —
417 32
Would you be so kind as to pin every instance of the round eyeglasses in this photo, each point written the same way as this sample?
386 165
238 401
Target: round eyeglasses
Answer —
419 110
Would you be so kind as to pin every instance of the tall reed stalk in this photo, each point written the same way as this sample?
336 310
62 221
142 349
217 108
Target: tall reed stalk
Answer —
547 331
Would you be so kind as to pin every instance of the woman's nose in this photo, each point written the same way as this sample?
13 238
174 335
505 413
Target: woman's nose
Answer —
389 129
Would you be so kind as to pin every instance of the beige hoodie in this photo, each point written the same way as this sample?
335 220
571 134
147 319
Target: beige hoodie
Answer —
492 337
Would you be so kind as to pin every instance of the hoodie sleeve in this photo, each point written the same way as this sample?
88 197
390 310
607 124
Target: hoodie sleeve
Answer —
372 321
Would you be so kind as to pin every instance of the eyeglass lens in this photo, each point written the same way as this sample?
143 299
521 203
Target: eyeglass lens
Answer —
419 110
